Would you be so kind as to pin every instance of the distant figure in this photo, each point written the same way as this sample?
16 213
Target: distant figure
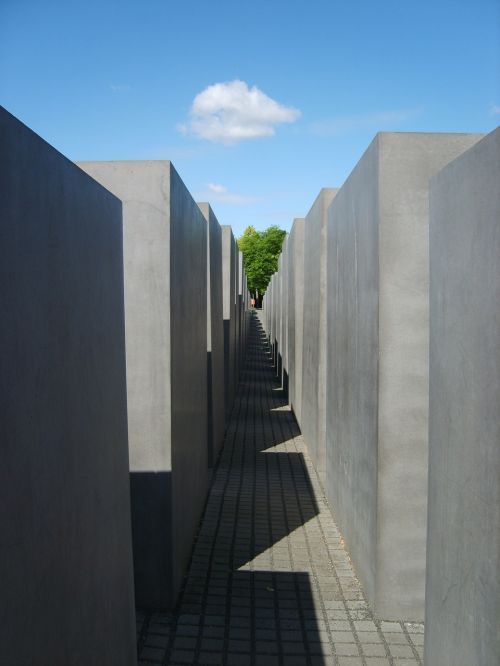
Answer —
252 302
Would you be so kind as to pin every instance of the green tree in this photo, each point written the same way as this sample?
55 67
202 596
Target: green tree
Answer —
261 250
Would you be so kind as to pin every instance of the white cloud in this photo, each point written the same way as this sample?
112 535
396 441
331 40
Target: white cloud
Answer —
214 192
120 88
231 112
495 110
385 120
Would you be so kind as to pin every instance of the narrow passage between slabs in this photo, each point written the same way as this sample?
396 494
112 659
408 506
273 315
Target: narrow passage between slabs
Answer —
270 582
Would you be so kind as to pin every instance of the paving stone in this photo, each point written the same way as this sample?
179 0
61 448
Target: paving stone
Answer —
343 637
238 659
392 627
364 625
152 654
347 649
374 649
209 658
396 639
156 641
182 657
401 651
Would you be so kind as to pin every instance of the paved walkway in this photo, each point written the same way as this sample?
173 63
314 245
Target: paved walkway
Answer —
270 582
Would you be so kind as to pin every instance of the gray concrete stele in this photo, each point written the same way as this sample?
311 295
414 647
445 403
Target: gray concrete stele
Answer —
165 255
463 549
378 363
67 594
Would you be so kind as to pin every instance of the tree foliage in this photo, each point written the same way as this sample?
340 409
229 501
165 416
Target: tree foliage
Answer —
261 250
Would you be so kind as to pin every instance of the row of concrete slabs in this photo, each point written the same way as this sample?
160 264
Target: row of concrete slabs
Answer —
387 372
122 345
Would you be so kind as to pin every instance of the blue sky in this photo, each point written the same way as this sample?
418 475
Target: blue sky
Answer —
258 104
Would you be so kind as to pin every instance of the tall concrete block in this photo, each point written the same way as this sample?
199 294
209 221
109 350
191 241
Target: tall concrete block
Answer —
463 549
272 315
313 410
279 319
378 359
165 250
241 311
273 312
295 314
215 336
285 324
66 572
228 309
237 322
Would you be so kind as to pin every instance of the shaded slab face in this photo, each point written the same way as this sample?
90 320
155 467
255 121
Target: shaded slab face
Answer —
463 550
313 408
215 336
65 552
296 314
378 358
229 314
165 251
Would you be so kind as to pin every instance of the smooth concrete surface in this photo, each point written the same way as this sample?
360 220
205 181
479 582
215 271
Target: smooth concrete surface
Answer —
215 336
66 572
272 315
378 359
165 254
284 315
295 297
279 319
313 409
272 312
237 320
463 550
240 313
228 311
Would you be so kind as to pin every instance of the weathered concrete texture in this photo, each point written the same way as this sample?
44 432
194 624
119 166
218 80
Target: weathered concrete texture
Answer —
279 319
295 314
65 548
272 315
228 309
237 321
463 550
241 313
165 249
215 336
313 409
377 392
285 324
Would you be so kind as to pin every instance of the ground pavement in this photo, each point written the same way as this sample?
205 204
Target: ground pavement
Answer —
270 582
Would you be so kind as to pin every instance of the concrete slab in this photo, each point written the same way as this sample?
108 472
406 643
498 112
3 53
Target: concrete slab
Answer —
241 313
463 549
228 309
65 551
377 392
284 315
279 320
165 251
313 410
295 314
215 336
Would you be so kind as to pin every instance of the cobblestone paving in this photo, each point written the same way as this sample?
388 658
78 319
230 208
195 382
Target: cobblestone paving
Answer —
270 582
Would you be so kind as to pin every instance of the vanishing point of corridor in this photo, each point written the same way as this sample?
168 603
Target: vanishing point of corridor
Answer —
270 582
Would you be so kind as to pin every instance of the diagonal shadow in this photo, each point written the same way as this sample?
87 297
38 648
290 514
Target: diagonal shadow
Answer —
240 604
